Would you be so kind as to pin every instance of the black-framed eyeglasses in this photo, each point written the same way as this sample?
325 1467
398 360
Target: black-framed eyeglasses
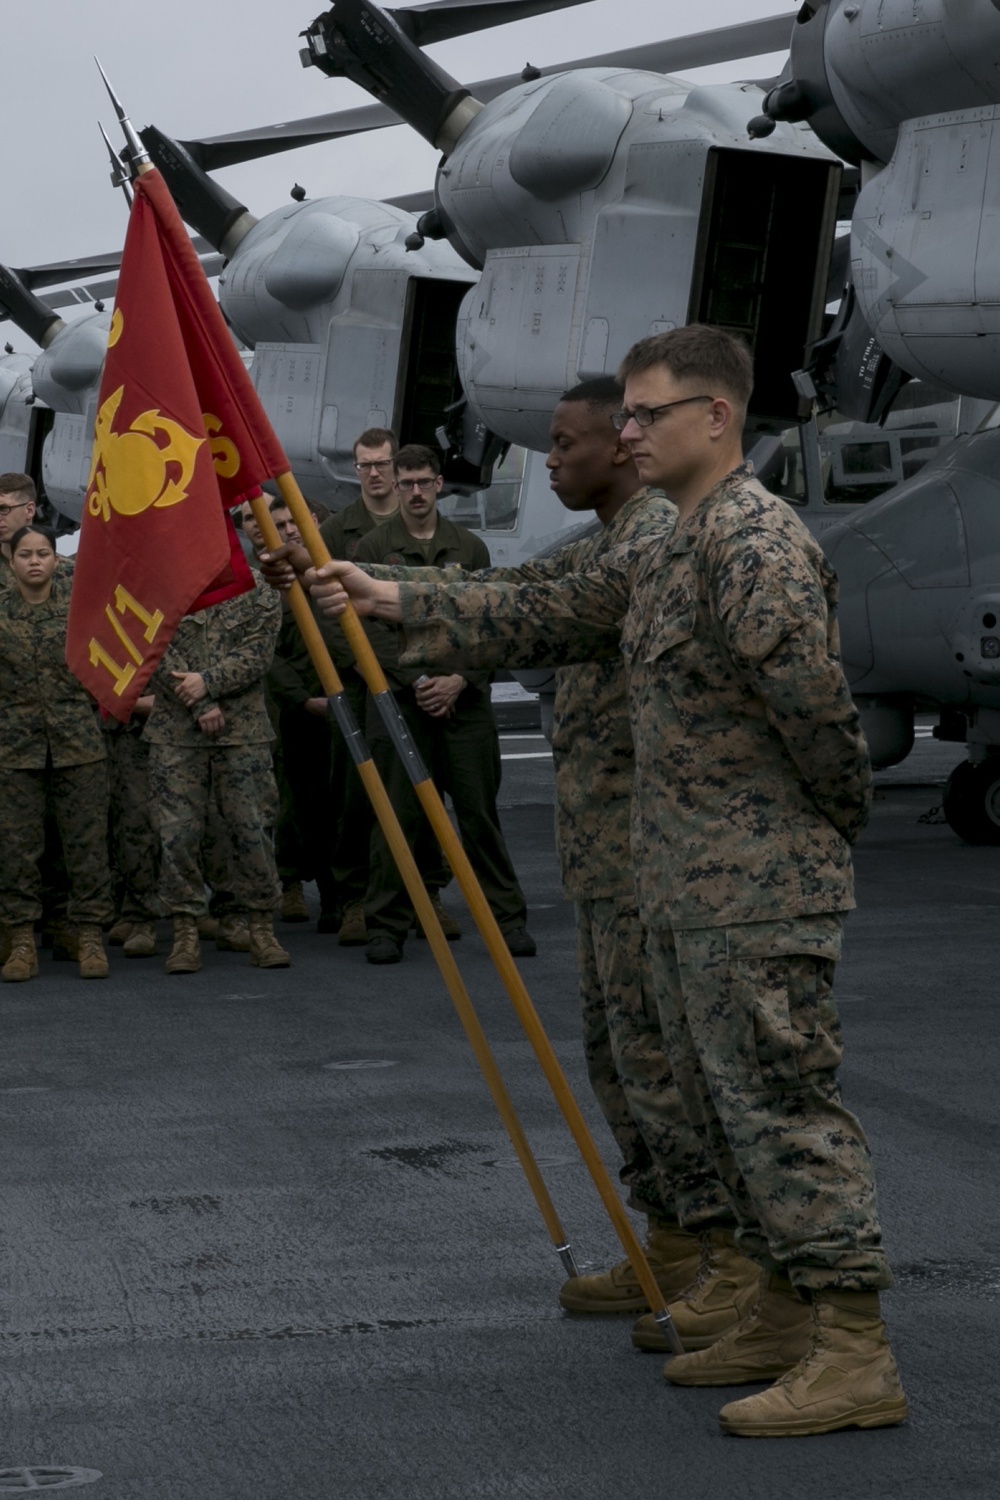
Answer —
381 464
645 416
5 510
418 484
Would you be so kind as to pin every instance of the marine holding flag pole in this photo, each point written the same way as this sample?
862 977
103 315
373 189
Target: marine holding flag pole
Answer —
243 444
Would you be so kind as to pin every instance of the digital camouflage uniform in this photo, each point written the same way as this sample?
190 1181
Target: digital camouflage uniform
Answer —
752 781
665 1167
231 644
53 754
460 753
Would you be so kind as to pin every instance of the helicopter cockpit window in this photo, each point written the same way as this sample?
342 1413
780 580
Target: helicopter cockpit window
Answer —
496 508
833 461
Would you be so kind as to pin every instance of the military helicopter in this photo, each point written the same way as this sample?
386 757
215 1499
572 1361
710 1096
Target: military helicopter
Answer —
552 187
335 285
570 188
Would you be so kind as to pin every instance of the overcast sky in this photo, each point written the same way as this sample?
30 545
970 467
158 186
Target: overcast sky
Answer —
202 67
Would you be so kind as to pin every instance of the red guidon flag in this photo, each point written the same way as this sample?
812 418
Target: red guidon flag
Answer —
180 438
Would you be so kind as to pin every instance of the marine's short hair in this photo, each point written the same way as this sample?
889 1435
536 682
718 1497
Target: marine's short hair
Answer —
376 437
416 456
19 484
697 353
604 393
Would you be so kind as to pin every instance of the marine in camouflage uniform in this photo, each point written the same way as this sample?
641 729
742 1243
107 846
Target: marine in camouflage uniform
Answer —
53 754
231 645
55 885
752 781
667 1171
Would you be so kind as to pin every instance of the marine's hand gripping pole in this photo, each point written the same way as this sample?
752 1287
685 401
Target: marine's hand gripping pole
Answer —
434 809
341 709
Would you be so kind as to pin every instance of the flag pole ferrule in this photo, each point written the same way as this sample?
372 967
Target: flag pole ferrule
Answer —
341 712
667 1327
400 735
565 1254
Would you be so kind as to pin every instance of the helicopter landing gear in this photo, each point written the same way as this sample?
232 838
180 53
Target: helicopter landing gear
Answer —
972 801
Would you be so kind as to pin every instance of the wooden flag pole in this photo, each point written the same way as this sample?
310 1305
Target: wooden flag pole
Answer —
484 919
395 838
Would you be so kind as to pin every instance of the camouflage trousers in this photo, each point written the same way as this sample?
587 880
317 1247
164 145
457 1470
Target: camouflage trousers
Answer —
77 798
665 1167
135 844
752 1031
182 785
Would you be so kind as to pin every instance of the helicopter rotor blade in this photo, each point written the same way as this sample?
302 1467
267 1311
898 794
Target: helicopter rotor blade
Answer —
441 20
724 44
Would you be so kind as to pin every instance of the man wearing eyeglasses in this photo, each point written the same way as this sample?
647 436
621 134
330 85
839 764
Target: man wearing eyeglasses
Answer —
17 508
451 720
343 909
752 782
378 500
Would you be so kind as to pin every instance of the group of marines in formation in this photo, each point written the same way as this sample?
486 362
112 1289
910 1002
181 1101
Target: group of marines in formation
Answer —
711 777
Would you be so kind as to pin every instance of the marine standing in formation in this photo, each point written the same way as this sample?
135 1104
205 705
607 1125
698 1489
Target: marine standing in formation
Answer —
210 737
54 762
752 782
669 1175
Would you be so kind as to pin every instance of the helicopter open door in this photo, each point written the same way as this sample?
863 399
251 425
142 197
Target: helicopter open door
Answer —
760 267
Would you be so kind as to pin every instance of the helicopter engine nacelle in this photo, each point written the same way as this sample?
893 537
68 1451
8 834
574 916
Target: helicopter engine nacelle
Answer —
923 249
350 330
859 68
605 206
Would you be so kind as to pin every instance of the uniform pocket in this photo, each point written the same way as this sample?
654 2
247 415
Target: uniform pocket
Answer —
795 1024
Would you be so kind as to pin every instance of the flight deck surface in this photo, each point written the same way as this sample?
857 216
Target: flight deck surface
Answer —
264 1237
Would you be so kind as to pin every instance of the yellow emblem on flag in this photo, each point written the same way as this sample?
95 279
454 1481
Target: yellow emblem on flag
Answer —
129 470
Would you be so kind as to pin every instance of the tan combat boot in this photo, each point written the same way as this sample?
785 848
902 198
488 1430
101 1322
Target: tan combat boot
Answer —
22 962
185 955
265 950
141 942
232 934
120 933
768 1342
353 932
847 1377
724 1288
674 1256
208 927
449 924
293 903
90 951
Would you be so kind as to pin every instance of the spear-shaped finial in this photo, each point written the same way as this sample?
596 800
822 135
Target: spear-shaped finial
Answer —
138 154
119 176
